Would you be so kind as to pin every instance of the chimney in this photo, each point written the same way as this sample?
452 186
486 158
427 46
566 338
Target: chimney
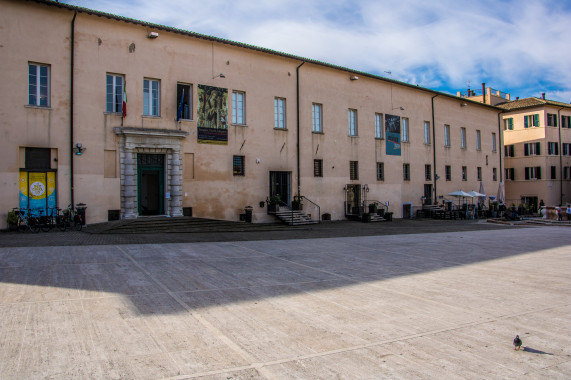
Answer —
484 93
517 98
543 95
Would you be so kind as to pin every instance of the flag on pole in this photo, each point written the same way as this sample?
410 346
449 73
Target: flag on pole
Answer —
125 100
179 113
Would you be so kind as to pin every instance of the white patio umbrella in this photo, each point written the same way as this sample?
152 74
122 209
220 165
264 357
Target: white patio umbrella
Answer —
460 194
501 197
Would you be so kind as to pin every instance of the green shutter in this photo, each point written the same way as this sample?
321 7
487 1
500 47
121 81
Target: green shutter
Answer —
526 150
538 170
536 120
537 148
526 121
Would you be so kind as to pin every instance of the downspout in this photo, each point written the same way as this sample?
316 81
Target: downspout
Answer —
298 139
72 49
434 151
500 144
560 158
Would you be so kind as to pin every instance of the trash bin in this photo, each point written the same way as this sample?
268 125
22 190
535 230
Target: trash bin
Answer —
248 210
388 216
80 210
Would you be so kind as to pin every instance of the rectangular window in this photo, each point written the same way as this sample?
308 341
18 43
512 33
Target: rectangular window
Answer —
510 174
551 120
37 158
509 124
184 101
509 150
531 121
478 140
427 132
238 166
404 127
464 173
463 138
378 125
427 172
406 172
566 149
38 85
494 142
565 121
380 171
533 172
317 118
318 168
354 170
532 149
479 173
554 172
448 172
151 97
352 122
494 174
239 107
567 172
114 96
446 135
279 113
553 148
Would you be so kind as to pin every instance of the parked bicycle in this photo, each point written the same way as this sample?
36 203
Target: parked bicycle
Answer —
26 221
53 220
72 219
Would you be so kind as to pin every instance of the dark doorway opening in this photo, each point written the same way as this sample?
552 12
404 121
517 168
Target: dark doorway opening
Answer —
150 181
353 200
280 185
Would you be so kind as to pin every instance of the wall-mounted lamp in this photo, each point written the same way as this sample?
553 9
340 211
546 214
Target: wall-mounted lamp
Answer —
152 35
219 75
437 177
79 149
463 104
354 77
399 108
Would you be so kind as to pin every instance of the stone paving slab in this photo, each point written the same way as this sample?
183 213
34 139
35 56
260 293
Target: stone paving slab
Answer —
430 306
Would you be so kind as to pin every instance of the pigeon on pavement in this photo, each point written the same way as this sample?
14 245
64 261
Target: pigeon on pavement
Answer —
517 343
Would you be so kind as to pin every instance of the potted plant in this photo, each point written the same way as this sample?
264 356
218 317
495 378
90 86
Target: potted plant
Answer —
373 208
274 203
12 220
296 203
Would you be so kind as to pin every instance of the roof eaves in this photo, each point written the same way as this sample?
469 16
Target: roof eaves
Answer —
251 47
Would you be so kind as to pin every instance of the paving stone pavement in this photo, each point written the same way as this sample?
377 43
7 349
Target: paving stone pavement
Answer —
426 305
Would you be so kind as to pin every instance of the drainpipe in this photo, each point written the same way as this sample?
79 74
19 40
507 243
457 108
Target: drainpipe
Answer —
500 144
298 139
560 158
434 149
72 49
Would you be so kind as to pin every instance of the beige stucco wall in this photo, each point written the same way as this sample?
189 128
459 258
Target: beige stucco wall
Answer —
551 191
103 46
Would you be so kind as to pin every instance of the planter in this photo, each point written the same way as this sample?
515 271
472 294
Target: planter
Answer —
366 218
373 208
389 216
272 207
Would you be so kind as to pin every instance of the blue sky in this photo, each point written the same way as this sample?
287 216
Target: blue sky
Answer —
522 47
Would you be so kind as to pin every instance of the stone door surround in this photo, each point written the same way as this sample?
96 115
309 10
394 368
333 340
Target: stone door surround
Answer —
155 141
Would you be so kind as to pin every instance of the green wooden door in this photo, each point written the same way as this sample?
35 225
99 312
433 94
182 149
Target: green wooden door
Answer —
150 184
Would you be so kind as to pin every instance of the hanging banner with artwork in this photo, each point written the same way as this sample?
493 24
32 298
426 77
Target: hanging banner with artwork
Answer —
392 126
37 192
212 115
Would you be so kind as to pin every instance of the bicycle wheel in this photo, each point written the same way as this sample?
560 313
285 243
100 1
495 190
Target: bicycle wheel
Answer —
45 224
77 225
34 226
61 223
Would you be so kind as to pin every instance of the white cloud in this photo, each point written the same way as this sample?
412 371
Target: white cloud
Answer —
511 45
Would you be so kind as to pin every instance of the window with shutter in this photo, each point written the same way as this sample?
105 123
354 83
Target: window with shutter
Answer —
538 172
536 120
526 150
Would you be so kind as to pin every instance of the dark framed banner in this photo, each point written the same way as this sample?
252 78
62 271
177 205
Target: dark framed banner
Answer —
392 127
212 115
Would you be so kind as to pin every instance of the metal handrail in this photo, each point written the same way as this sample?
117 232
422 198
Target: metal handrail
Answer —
316 205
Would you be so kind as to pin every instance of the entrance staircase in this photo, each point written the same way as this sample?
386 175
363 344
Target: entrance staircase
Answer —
294 217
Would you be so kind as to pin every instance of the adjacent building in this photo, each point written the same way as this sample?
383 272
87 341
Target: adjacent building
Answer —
537 146
133 119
